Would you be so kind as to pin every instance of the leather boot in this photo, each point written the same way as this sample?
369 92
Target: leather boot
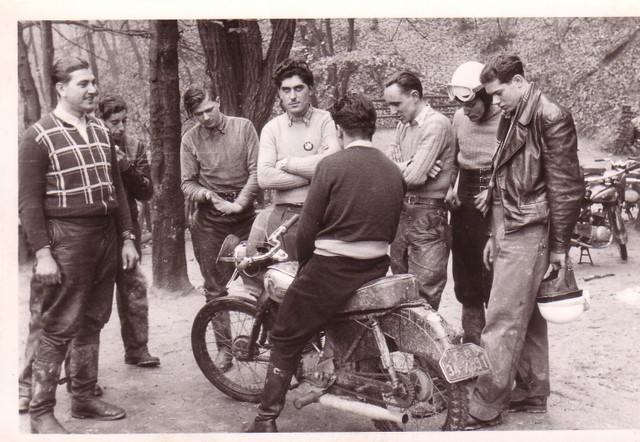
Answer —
222 330
84 376
272 402
43 399
473 321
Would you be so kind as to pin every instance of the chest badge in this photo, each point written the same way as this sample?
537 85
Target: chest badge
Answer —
308 146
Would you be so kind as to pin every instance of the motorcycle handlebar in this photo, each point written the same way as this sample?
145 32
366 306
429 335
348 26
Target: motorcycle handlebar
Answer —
273 239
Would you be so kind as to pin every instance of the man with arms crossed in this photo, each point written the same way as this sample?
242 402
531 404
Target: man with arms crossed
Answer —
291 145
422 137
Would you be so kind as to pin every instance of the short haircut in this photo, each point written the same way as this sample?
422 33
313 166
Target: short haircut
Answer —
355 114
63 67
502 68
194 96
407 81
290 67
110 104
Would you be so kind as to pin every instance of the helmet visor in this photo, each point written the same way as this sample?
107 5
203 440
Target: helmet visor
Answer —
462 93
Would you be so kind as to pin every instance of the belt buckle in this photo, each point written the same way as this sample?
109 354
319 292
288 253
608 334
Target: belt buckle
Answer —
412 199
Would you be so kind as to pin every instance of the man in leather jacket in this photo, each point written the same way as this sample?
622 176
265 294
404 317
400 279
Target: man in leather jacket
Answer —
535 193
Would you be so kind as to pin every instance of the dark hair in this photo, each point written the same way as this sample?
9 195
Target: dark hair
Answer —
110 104
194 95
356 114
487 99
502 68
407 81
63 67
290 67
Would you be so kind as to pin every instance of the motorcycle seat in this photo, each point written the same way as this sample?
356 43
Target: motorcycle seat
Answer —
383 293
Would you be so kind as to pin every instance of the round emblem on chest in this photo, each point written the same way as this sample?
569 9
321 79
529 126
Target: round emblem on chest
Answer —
308 146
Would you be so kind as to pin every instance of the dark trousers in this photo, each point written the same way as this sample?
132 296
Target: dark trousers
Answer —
421 247
208 232
470 231
321 288
85 250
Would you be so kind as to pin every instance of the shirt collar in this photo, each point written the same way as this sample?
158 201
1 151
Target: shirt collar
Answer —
69 118
362 143
306 118
419 119
220 127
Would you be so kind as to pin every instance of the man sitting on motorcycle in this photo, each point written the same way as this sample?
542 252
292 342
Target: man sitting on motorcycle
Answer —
350 217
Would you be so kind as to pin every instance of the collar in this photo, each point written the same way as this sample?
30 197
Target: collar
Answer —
494 110
361 143
528 105
419 119
69 118
306 118
220 127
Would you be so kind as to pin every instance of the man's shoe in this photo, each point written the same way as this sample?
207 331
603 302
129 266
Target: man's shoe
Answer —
144 359
476 424
224 360
23 404
96 409
535 404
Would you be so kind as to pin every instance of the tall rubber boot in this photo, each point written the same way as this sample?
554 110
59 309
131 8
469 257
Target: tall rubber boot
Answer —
84 375
473 321
222 330
43 397
272 402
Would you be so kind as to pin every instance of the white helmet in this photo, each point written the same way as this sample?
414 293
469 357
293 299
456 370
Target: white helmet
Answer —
465 81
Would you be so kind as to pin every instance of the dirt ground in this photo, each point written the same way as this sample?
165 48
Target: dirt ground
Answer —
594 369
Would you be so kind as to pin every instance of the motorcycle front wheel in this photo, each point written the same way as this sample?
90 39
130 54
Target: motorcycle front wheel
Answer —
619 230
226 325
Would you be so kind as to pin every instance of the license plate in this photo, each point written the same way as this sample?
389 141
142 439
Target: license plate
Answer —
464 361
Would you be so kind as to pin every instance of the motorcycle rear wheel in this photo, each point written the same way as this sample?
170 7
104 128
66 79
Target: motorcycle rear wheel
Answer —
244 381
447 410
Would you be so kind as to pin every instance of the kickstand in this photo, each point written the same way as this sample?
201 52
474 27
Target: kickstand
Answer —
584 251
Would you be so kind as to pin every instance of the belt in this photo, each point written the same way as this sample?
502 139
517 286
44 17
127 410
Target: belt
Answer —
476 172
424 201
290 204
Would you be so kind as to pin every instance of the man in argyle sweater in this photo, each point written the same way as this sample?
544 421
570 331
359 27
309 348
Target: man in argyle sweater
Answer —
70 192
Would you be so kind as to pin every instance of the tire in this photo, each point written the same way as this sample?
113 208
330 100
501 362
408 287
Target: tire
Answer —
244 381
619 231
449 405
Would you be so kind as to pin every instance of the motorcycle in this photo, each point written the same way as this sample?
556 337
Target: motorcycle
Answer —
387 355
600 220
632 189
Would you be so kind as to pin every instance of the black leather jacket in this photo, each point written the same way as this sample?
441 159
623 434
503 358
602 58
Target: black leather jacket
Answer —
537 172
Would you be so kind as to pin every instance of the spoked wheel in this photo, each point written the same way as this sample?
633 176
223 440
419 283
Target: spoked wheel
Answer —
619 231
435 403
226 325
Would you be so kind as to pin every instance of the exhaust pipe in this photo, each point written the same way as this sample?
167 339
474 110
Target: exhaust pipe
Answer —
359 408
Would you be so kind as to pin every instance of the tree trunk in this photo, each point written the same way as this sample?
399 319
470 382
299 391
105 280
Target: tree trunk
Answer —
92 54
28 90
238 71
51 98
168 255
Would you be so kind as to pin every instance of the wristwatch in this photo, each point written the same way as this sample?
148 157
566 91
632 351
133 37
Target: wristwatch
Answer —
128 235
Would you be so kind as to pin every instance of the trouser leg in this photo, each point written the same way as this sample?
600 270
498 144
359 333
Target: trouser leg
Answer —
320 290
133 310
521 258
35 332
45 375
422 248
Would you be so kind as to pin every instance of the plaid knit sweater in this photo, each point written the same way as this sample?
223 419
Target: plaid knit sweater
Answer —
62 175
